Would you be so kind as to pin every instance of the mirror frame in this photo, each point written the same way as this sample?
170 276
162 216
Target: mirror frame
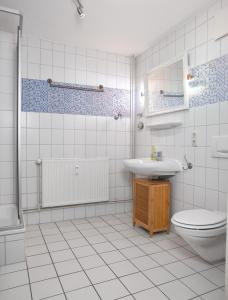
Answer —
185 86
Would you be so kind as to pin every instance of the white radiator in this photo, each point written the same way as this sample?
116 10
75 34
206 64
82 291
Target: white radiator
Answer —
74 181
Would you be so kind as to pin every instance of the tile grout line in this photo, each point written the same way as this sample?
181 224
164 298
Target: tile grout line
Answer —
52 263
80 266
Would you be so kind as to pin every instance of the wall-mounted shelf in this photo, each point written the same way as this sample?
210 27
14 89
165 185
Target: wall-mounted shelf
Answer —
164 125
174 95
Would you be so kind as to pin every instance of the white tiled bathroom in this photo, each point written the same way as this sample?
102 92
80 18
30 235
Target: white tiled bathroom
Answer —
113 149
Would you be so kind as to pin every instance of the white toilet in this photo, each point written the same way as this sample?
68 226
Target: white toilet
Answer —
204 231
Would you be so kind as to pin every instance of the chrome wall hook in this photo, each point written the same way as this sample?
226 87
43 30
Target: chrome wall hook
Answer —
116 117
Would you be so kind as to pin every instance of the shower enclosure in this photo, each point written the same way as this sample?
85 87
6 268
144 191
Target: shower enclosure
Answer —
11 219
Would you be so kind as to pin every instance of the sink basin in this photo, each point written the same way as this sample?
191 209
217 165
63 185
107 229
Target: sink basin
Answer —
148 167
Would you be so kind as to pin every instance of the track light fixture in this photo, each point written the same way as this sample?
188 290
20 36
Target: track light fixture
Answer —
80 8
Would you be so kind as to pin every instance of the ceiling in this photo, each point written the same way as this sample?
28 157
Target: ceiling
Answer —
121 26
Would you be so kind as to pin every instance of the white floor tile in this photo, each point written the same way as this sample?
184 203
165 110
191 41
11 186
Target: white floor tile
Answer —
153 293
65 229
113 236
196 263
46 288
99 224
80 221
121 244
179 241
198 284
83 251
144 263
178 269
121 227
123 268
79 242
96 239
54 238
218 295
84 226
87 293
222 267
136 282
35 250
150 248
104 247
163 258
100 274
67 267
176 290
139 240
32 228
106 229
167 244
46 226
132 252
34 241
74 281
215 275
129 233
57 297
72 235
111 290
92 261
13 268
112 257
181 253
42 273
62 255
50 231
159 237
90 232
159 275
57 246
32 234
39 260
14 279
21 292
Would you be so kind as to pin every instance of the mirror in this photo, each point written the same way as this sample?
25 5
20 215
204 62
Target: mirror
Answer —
166 87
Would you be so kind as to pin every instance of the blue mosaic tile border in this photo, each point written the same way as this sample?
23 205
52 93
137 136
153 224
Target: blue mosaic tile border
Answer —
210 82
38 96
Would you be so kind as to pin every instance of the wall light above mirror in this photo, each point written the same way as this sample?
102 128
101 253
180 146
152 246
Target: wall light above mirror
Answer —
166 87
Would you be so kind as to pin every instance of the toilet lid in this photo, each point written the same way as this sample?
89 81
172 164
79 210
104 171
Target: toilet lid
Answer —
200 218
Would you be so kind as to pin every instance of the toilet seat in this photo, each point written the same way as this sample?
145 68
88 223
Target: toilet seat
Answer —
204 231
199 219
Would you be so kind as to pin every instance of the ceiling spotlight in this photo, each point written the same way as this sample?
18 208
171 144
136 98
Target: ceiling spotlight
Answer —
80 8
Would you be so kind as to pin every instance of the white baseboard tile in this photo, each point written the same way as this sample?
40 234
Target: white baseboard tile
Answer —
77 212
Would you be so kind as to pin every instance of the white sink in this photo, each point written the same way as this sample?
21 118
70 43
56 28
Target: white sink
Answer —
148 167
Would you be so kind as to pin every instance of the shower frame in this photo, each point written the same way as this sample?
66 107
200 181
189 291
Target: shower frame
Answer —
18 118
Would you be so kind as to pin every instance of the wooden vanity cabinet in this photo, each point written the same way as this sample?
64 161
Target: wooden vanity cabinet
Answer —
151 207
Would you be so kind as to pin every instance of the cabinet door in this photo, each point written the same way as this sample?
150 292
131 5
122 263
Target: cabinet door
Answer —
141 203
160 207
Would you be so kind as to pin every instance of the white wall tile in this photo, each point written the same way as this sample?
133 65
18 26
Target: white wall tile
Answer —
58 59
207 176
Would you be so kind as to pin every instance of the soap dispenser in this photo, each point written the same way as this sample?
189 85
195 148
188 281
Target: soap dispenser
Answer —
153 155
